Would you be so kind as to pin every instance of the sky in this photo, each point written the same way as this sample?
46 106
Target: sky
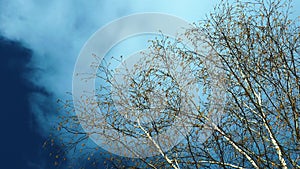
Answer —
39 43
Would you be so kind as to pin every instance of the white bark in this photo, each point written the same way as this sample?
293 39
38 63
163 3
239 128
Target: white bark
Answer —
236 146
157 146
220 163
271 135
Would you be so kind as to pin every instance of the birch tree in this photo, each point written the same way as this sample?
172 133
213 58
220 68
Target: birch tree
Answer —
245 55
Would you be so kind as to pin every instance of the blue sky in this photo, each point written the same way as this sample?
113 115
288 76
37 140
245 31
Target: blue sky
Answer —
49 36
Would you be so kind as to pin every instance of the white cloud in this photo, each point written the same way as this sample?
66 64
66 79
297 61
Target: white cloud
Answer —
56 30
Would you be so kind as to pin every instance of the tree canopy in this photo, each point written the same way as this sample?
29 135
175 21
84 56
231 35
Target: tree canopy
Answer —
245 57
